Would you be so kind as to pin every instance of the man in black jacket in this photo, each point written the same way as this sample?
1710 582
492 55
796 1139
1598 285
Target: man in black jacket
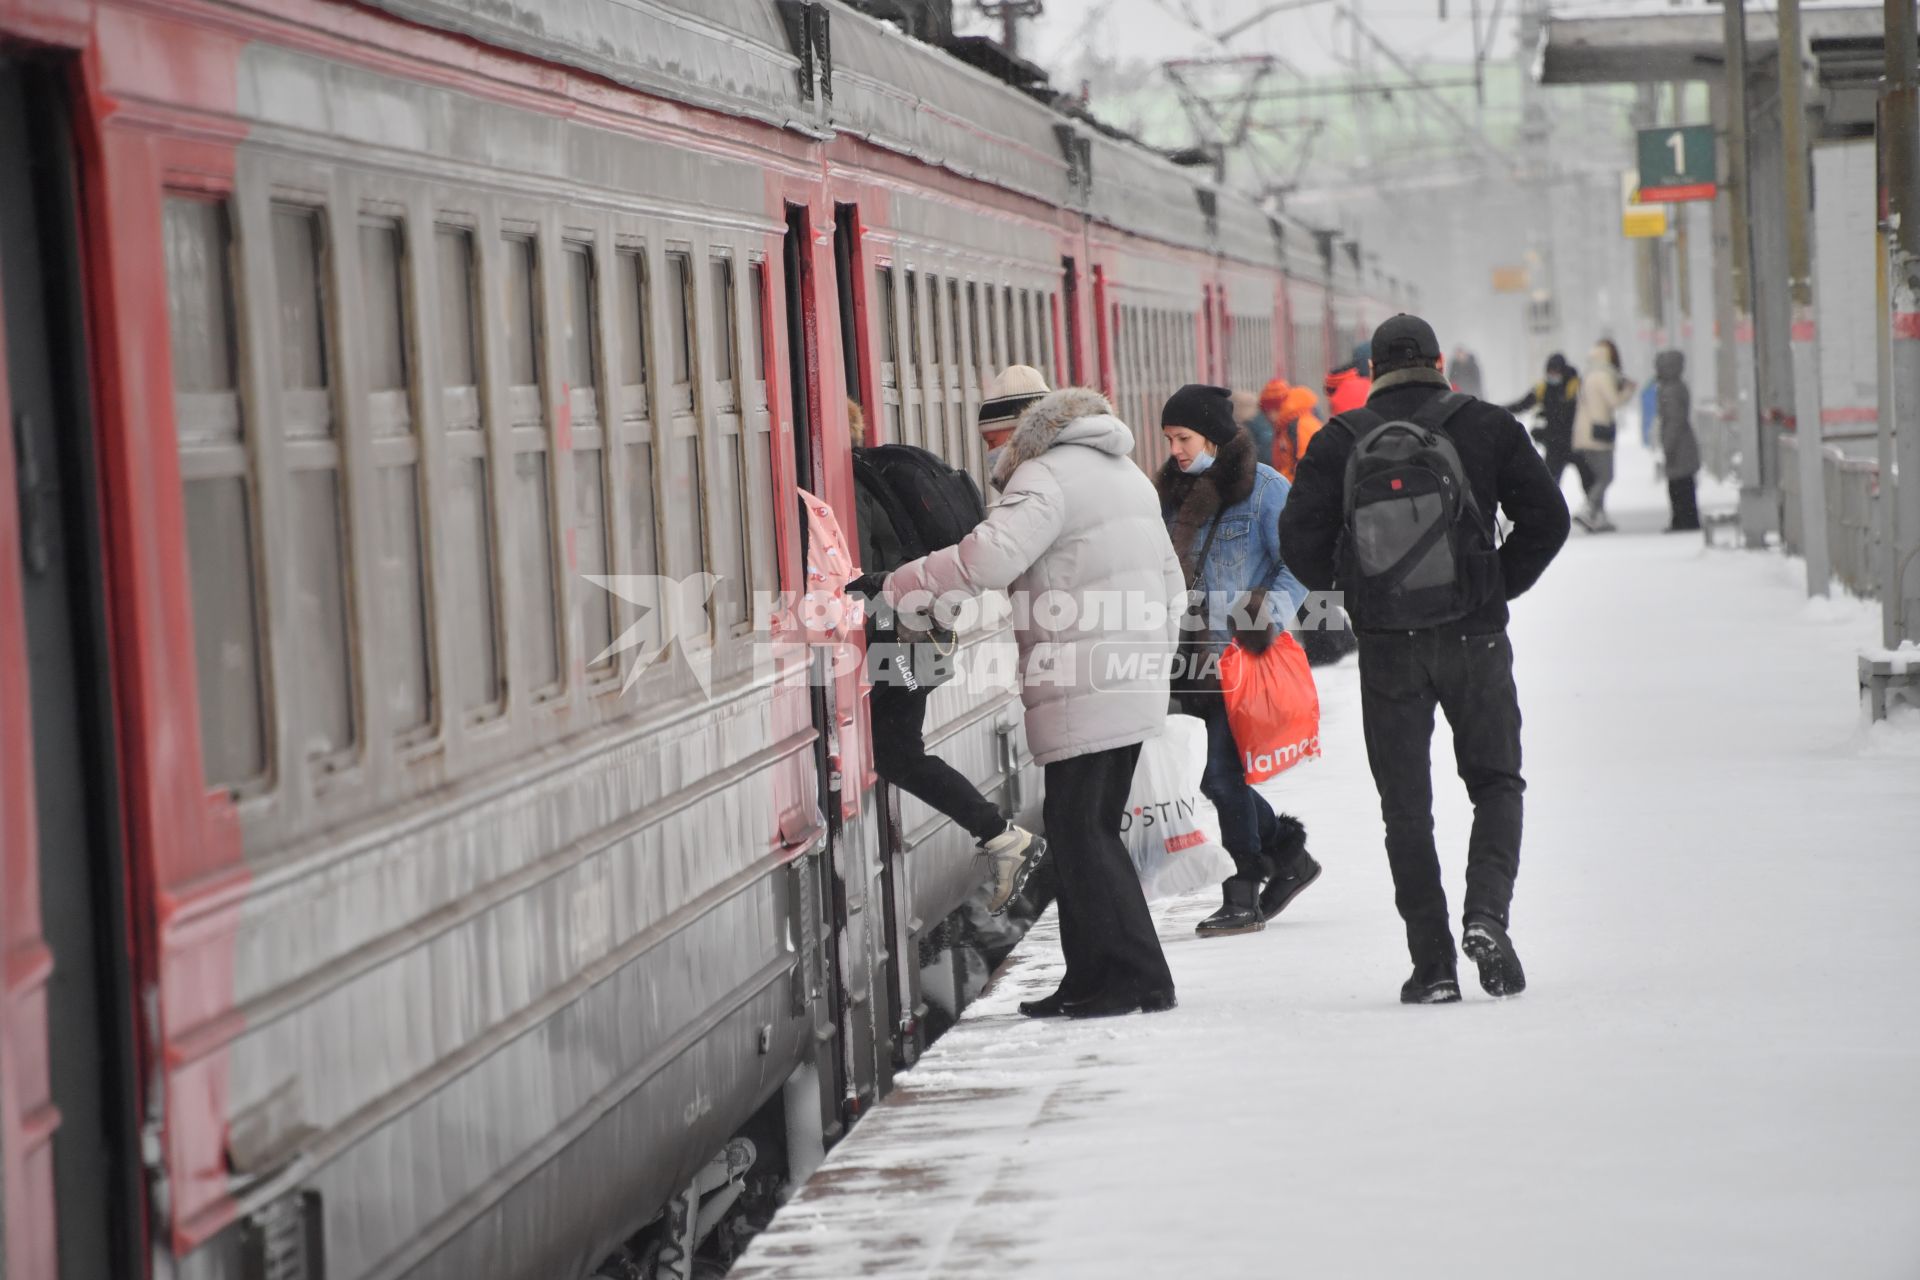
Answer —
1464 666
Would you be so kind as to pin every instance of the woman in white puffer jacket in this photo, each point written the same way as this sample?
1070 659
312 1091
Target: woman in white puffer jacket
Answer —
1077 537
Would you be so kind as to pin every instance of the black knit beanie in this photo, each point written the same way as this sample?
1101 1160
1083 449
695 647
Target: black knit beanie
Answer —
1207 410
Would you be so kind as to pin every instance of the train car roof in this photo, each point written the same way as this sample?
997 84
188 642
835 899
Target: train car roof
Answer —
743 58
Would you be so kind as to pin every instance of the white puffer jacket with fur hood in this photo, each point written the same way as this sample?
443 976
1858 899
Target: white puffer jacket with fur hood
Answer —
1077 518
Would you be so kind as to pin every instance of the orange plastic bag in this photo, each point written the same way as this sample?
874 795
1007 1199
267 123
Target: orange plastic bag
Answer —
1272 706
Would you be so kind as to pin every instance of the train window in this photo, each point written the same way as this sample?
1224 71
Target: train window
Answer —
685 529
631 277
316 513
532 480
996 354
401 597
469 529
522 313
757 319
729 520
636 430
725 339
1053 328
888 318
210 425
980 359
936 437
760 509
680 324
913 329
936 331
590 539
533 508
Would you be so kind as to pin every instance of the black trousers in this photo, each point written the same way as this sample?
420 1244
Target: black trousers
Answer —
1403 676
1683 497
1561 455
1248 826
900 756
1106 931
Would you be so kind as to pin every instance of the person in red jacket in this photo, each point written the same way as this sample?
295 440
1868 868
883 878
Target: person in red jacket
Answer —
1349 385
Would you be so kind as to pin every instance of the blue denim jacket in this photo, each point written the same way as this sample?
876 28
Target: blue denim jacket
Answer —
1246 554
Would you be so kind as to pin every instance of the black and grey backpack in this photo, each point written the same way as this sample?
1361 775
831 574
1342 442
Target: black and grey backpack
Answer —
1413 529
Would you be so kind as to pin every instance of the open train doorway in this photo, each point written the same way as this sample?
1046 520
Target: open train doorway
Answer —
825 889
83 913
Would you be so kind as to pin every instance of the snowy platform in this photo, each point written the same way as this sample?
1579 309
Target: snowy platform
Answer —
1715 1071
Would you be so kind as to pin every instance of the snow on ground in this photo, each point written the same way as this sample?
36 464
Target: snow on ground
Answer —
1715 1071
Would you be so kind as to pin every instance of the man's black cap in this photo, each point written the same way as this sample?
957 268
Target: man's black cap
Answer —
1404 340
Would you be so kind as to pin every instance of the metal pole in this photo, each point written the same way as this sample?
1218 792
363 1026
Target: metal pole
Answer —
1900 120
1755 516
1726 324
1885 524
1811 445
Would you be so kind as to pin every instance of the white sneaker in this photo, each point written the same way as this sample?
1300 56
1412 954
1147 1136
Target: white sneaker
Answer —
1011 856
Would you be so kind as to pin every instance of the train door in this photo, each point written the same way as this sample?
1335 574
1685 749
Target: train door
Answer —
903 1010
823 891
82 909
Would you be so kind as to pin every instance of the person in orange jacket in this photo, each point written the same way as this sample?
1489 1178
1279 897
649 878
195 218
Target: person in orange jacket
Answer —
1290 409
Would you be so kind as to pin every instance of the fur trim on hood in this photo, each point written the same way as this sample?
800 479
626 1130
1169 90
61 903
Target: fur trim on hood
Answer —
1190 502
1044 422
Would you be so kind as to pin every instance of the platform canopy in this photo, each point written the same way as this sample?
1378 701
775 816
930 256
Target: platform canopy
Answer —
1651 44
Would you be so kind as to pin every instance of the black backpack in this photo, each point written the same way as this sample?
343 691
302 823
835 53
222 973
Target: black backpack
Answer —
1414 532
899 653
941 503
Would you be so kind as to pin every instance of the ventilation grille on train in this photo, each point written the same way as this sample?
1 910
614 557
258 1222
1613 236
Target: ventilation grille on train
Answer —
282 1241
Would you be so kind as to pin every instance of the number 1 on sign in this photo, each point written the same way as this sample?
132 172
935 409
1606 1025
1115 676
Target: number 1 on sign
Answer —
1678 142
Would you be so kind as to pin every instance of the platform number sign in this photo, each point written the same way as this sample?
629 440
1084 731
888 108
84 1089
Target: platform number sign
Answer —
1676 164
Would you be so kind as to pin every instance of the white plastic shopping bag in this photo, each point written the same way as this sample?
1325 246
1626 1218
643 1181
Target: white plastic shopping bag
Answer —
1168 825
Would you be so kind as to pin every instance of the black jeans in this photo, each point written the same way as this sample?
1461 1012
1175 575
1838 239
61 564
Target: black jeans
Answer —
1403 676
1106 931
900 756
1683 497
1247 824
1561 455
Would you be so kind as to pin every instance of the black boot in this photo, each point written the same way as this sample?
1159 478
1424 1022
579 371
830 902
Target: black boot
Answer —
1486 943
1048 1006
1287 851
1435 982
1112 1004
1239 913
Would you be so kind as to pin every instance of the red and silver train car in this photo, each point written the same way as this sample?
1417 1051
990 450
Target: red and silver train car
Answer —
383 897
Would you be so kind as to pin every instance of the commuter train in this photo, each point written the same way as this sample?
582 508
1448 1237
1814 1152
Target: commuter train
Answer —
383 897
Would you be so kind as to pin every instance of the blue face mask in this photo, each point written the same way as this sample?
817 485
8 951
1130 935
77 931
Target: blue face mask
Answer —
1198 465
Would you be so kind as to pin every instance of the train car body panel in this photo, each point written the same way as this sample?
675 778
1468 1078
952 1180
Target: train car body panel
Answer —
470 907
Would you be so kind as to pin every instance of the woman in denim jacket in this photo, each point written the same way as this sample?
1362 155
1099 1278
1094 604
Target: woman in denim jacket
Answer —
1222 507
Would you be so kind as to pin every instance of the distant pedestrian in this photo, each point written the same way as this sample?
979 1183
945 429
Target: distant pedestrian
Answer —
1077 520
1347 386
1250 411
1673 404
1556 398
1290 409
1428 593
1465 368
1222 506
1602 392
